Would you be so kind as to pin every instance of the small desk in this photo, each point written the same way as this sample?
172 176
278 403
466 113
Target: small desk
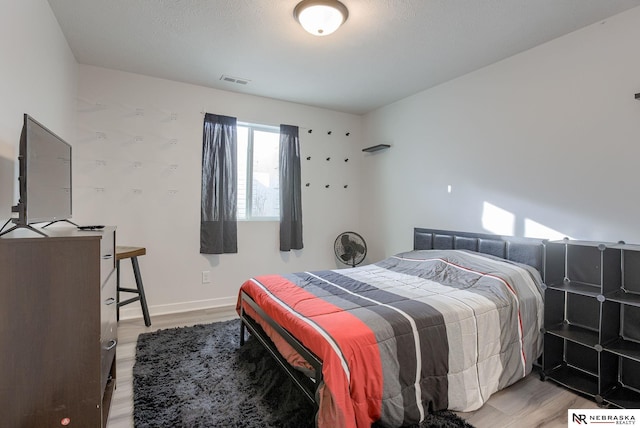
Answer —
132 253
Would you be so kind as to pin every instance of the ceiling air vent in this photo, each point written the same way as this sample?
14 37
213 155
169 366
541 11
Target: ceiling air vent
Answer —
237 80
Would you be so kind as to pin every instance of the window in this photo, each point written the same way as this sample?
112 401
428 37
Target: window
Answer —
258 172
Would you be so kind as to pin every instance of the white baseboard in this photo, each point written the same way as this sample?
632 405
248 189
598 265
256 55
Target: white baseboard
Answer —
133 310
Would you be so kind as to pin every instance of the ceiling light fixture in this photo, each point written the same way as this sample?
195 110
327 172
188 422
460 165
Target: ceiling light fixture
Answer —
321 17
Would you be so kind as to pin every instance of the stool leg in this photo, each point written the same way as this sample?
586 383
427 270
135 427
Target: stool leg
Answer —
143 299
117 290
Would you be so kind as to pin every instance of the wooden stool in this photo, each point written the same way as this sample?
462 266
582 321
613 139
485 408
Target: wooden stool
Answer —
132 253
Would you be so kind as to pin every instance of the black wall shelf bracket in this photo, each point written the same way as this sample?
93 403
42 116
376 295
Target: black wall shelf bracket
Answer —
638 96
376 148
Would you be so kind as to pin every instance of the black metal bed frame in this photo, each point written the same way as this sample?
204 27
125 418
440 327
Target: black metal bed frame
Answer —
522 250
308 386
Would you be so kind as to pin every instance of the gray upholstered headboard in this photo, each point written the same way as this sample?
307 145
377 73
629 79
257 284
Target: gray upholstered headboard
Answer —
529 251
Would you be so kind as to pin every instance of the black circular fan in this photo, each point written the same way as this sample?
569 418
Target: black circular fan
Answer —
350 248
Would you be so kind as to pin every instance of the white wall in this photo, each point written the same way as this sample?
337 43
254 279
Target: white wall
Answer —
137 157
38 75
549 137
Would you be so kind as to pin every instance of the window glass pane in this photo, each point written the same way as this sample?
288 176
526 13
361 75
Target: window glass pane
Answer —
243 145
265 201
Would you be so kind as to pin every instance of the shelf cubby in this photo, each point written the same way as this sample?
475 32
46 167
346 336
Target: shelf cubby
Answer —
630 266
622 296
626 390
623 397
625 348
575 379
577 288
575 333
630 323
570 364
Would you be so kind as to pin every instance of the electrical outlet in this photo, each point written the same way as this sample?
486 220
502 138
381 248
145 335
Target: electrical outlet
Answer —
205 277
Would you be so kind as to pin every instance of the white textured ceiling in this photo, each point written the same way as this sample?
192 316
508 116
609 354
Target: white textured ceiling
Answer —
387 49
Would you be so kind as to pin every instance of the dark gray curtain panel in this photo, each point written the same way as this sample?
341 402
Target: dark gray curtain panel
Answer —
290 189
219 204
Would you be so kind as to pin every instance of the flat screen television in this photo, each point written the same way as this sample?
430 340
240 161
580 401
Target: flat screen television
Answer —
44 164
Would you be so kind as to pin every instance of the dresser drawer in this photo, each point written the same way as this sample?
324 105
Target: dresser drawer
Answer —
107 358
108 327
109 305
107 253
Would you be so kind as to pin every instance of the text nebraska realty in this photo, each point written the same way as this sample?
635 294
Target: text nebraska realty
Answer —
604 419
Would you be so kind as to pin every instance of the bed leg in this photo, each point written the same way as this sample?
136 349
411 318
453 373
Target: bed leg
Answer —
241 333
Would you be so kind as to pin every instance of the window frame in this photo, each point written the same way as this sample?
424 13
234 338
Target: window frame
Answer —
249 176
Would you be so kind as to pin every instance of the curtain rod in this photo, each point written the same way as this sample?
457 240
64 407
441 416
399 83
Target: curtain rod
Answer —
202 112
309 130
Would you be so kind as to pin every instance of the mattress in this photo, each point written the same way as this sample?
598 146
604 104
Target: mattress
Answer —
417 332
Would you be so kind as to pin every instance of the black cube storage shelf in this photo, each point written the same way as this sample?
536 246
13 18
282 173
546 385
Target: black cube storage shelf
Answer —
592 320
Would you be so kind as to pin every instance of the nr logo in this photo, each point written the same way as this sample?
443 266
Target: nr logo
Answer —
579 419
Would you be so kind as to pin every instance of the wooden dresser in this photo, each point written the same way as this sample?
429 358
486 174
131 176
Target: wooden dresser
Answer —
58 331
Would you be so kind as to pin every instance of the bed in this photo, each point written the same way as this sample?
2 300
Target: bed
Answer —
443 326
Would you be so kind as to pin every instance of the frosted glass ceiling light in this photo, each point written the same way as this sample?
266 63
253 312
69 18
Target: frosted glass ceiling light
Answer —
321 17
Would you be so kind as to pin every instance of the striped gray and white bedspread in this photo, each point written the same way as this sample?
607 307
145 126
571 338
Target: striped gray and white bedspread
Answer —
419 331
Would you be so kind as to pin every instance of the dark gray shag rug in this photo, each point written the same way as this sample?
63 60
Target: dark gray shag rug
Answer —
200 377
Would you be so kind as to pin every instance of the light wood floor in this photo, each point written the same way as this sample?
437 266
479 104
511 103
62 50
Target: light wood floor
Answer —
528 403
